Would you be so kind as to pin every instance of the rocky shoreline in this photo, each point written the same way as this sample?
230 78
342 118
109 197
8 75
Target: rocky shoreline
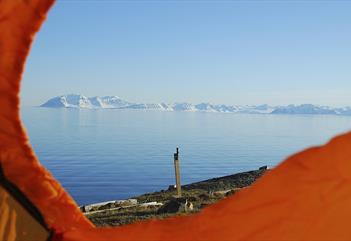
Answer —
165 203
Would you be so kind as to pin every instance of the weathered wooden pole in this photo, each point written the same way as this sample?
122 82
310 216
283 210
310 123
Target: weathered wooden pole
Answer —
177 173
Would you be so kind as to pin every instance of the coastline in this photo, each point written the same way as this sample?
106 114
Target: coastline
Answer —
165 203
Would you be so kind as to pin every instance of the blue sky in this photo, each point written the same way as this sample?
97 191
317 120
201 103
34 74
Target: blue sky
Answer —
230 52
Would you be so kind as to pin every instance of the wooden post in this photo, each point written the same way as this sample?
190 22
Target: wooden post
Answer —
177 173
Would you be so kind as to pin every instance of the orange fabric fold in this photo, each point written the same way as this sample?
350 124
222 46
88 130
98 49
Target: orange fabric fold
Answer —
19 21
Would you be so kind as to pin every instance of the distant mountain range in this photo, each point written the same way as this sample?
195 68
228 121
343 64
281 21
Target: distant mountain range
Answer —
114 102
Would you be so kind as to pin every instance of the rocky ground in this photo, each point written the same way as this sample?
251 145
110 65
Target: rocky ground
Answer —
165 203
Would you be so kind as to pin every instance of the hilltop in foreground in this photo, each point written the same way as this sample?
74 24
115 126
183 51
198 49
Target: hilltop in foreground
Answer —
114 102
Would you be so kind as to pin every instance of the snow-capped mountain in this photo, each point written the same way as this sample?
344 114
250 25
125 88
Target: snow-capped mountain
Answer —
161 106
305 109
183 107
81 101
206 107
108 102
256 109
68 101
343 111
114 102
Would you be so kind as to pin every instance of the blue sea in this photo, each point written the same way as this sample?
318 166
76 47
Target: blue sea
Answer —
109 154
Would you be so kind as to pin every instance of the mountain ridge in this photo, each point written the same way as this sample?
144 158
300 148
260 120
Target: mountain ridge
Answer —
79 101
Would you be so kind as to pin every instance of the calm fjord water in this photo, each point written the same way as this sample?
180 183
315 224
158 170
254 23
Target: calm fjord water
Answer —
101 155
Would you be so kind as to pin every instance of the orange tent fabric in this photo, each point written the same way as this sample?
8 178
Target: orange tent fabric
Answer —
307 197
16 223
19 20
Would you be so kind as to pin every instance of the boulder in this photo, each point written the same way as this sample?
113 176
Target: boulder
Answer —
172 206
